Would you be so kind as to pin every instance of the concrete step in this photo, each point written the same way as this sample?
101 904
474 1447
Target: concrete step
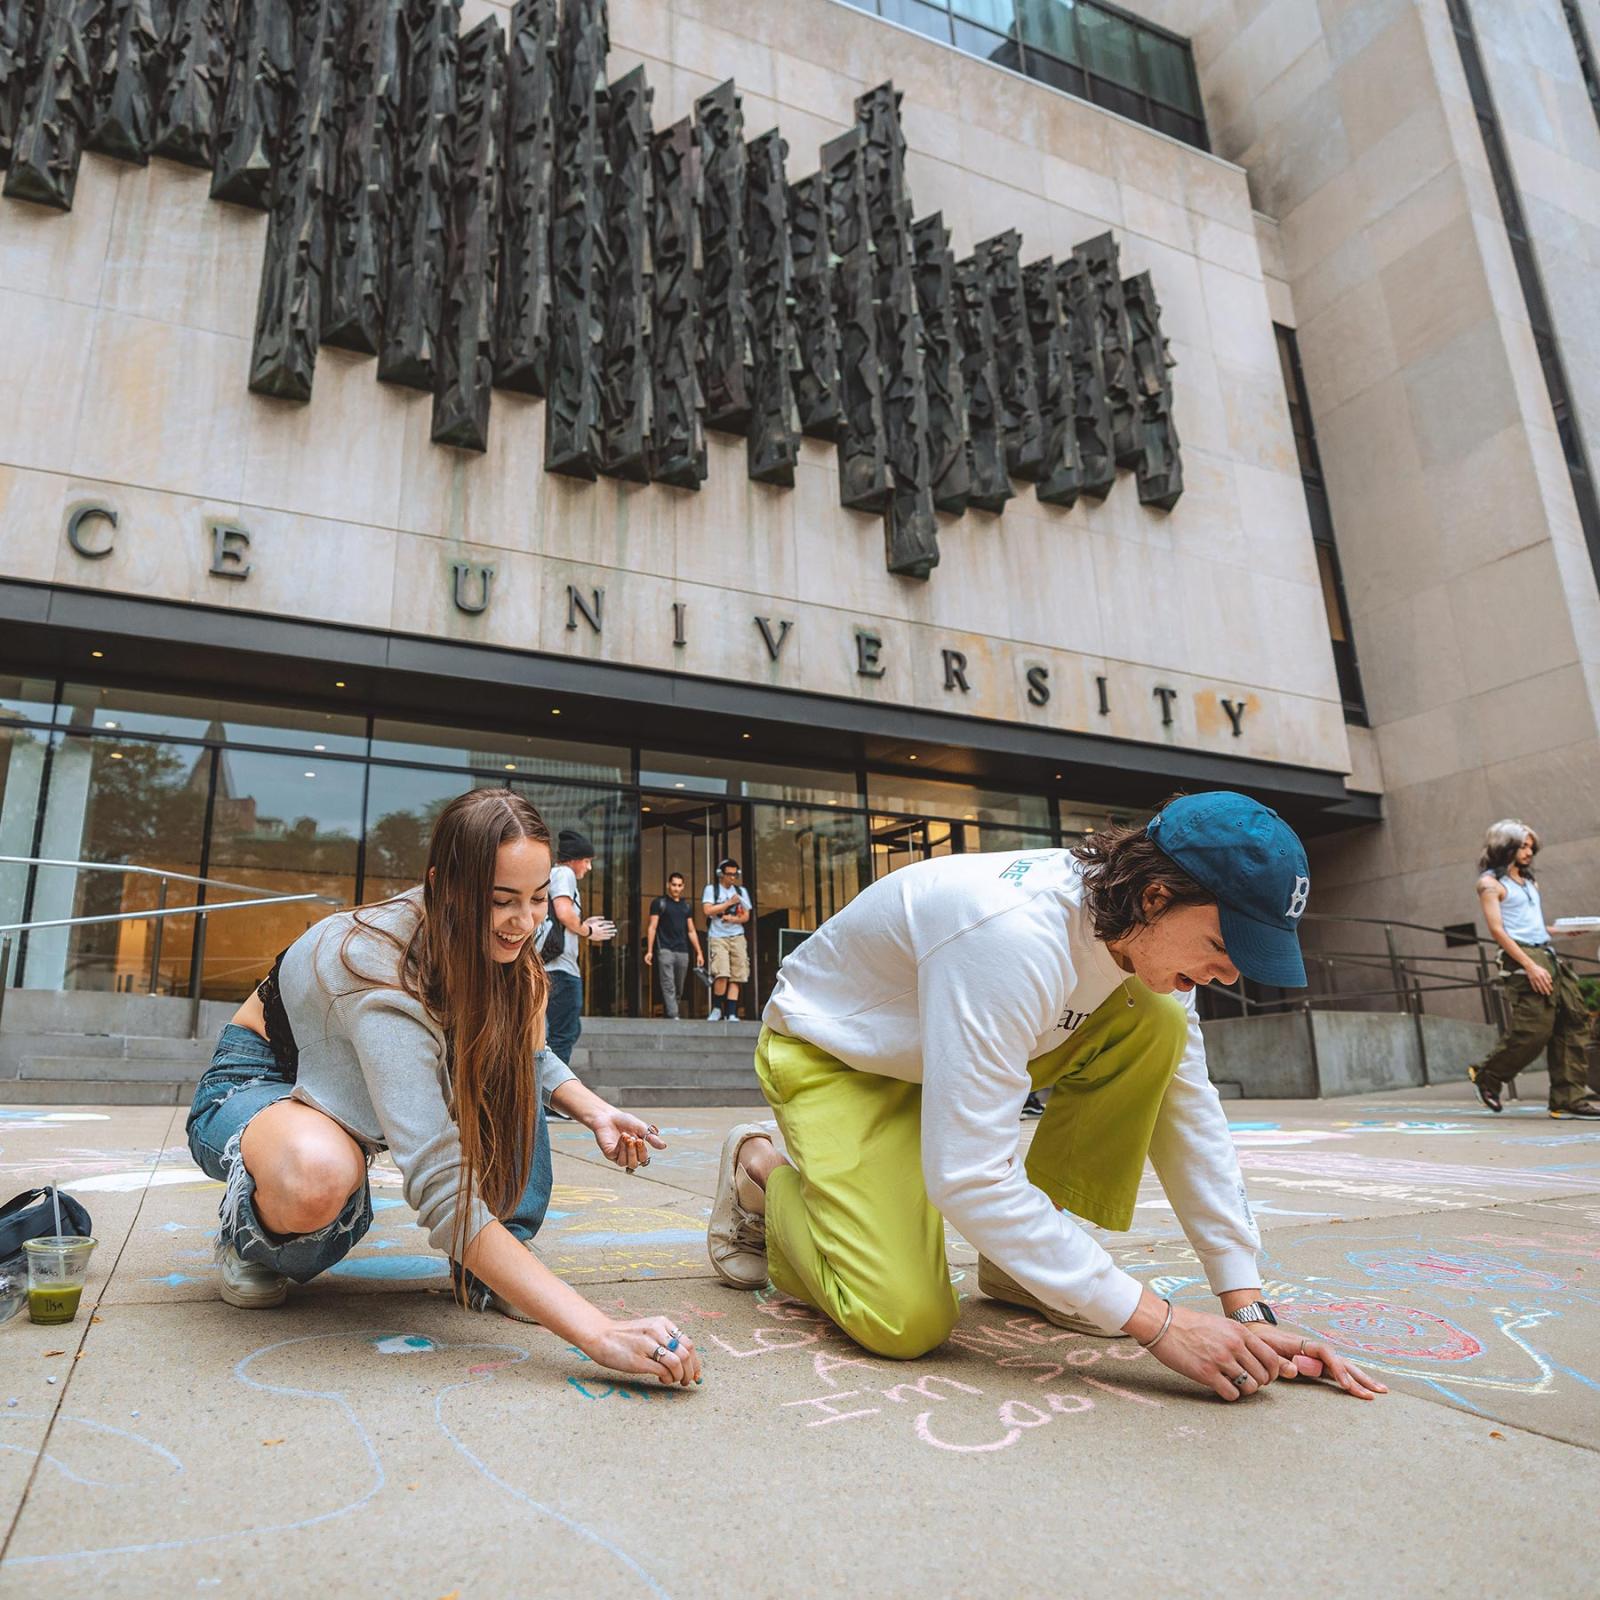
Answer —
92 1092
112 1069
643 1073
678 1094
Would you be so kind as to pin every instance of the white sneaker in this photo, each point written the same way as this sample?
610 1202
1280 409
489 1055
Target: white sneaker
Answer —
998 1285
736 1238
250 1287
715 1014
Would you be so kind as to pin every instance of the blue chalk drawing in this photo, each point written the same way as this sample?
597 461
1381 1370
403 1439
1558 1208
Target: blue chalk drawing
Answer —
403 1344
385 1203
173 1279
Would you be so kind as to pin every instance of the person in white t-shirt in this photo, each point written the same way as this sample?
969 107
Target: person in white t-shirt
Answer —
727 907
903 1035
564 1021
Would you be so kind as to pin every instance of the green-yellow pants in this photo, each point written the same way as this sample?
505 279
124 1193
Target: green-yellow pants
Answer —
1557 1024
850 1228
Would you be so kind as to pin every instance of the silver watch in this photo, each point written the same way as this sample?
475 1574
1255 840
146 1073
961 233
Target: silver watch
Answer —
1256 1311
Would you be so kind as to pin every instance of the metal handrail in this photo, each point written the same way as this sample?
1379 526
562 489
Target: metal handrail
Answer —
1408 973
156 914
148 872
171 911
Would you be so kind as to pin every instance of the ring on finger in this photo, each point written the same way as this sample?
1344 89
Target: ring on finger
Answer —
1240 1379
659 1353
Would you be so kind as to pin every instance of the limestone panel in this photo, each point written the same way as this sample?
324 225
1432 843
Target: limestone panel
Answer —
1542 712
1349 345
167 407
32 504
309 567
495 498
48 252
618 525
337 456
47 364
425 588
1434 744
175 256
1513 620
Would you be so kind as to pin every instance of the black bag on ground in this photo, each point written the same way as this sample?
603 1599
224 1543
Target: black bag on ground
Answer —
31 1215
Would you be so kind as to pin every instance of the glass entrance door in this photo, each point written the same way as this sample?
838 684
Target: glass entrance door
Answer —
899 841
678 834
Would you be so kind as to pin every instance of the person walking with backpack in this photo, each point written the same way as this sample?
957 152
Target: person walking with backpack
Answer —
569 928
1548 1013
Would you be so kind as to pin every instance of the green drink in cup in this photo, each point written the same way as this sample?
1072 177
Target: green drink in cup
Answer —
56 1270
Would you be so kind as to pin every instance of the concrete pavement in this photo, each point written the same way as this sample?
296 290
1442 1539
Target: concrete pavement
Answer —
372 1438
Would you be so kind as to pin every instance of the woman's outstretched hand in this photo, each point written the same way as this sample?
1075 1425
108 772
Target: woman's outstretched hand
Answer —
625 1139
653 1346
1236 1359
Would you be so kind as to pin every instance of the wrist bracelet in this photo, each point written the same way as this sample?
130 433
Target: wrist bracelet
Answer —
1164 1326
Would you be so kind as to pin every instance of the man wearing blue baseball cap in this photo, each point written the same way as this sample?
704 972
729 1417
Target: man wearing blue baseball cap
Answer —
904 1034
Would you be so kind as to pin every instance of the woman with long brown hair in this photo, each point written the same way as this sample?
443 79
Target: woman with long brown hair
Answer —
416 1025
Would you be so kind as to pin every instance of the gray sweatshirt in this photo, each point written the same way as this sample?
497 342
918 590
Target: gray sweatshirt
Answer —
374 1060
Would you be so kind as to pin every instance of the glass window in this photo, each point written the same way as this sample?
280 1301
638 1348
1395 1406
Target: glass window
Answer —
995 14
22 758
963 802
131 801
26 699
87 705
491 750
1110 45
403 803
933 20
987 46
1166 72
809 863
1048 25
660 769
1080 817
610 821
281 824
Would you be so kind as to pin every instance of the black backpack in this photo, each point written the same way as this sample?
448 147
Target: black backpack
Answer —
31 1215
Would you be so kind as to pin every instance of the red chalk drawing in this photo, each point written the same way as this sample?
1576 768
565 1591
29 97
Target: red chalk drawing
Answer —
1373 1327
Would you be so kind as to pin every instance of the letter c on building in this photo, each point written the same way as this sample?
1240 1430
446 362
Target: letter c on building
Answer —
76 535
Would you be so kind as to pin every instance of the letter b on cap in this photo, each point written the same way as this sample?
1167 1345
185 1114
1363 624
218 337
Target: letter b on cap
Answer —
1297 901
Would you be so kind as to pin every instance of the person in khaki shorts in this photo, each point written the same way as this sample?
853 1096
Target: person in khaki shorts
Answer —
1546 1004
728 909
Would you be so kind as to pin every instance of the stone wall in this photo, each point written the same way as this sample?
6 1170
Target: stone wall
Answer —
129 322
1473 602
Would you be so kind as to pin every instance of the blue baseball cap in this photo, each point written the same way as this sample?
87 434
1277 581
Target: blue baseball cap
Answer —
1254 863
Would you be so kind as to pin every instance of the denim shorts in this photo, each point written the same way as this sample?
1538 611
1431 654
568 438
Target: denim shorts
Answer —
245 1077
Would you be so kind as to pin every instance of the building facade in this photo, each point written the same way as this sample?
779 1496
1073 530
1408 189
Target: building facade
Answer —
577 434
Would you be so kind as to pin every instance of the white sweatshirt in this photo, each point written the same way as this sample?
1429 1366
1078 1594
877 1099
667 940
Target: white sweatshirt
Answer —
957 973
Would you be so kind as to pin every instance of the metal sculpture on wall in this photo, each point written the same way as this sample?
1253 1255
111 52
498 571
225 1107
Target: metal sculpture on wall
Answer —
678 435
724 289
1013 356
988 482
414 295
934 272
361 184
58 103
625 388
863 465
1100 257
260 82
18 21
912 532
773 440
572 411
522 312
1097 470
193 73
464 369
486 211
124 109
1159 467
816 385
289 308
1059 477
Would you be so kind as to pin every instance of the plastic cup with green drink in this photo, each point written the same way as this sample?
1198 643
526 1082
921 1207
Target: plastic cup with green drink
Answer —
57 1268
